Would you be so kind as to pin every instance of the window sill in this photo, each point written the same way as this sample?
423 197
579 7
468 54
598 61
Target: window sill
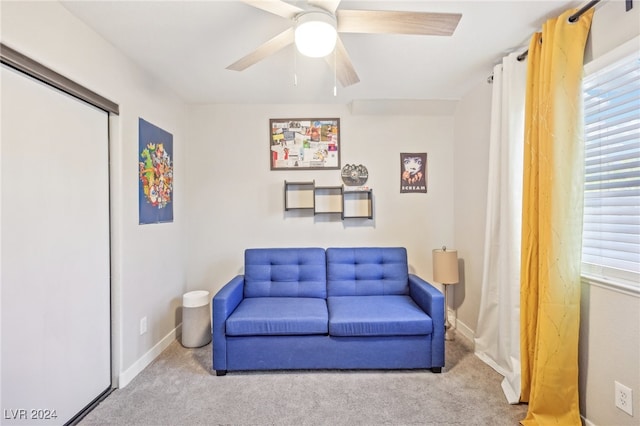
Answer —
619 286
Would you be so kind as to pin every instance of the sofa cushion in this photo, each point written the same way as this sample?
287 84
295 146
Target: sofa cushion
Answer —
285 272
377 316
367 271
259 316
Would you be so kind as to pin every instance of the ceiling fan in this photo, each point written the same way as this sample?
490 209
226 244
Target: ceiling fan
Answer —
324 14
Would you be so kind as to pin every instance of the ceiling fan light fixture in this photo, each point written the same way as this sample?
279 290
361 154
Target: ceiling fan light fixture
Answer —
316 34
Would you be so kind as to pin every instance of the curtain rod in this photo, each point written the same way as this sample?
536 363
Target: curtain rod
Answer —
572 18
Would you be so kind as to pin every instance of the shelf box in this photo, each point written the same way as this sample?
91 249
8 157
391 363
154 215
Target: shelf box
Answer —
299 195
358 204
328 199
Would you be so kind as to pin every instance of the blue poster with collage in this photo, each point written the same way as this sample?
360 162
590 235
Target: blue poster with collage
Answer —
155 183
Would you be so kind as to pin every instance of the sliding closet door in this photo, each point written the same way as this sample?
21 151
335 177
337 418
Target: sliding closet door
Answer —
54 253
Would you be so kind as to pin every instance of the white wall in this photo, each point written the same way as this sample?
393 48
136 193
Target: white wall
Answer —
610 320
471 165
148 274
236 202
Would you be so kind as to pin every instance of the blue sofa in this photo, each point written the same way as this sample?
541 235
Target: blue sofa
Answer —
339 308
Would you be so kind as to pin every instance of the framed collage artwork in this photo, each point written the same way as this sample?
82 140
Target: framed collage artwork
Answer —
304 143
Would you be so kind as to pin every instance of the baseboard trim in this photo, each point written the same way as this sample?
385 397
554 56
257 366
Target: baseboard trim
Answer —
587 422
465 331
130 373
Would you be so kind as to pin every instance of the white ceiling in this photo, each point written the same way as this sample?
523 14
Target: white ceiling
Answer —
188 45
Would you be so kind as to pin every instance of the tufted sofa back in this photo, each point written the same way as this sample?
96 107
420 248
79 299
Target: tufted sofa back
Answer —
285 272
367 271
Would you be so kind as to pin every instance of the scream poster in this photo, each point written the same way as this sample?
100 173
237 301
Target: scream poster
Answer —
413 177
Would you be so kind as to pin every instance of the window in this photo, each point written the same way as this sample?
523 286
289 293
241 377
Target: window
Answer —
611 237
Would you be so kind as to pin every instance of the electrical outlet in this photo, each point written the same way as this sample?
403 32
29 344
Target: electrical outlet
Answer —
143 325
624 398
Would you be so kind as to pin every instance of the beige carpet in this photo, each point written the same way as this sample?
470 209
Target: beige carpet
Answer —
179 388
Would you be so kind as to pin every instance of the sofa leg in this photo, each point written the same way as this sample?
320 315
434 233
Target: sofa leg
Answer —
221 372
436 369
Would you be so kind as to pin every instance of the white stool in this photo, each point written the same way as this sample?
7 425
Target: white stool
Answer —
196 319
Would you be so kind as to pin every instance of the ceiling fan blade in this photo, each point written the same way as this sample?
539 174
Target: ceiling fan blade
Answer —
277 7
394 22
343 66
328 5
283 39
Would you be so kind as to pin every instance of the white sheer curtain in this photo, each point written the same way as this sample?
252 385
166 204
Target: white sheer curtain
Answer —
497 338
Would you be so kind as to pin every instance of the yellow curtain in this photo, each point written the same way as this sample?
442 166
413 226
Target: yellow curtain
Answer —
552 222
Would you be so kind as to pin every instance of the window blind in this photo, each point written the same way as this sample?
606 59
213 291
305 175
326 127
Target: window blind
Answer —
611 236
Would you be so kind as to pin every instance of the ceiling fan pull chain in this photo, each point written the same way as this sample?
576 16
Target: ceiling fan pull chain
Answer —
295 69
335 74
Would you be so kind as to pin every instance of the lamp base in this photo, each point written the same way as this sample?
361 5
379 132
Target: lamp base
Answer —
449 333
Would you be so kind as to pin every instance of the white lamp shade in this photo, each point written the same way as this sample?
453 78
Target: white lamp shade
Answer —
445 266
315 34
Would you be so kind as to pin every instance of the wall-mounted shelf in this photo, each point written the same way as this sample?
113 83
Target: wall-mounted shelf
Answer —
329 199
348 203
299 195
357 204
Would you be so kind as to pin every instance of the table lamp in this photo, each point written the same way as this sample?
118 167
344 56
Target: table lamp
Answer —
445 271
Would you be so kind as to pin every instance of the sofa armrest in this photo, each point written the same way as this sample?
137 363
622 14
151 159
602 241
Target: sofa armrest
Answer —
223 304
431 300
